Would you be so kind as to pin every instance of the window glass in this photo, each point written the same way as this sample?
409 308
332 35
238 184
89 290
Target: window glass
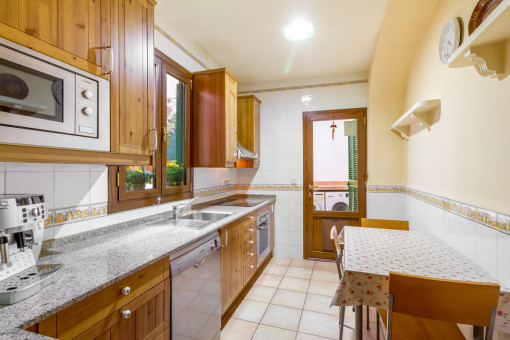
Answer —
174 132
139 178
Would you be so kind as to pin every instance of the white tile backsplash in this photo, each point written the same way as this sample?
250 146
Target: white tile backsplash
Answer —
36 167
98 186
72 167
19 182
72 189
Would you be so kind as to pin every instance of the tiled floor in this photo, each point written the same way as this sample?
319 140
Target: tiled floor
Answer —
290 300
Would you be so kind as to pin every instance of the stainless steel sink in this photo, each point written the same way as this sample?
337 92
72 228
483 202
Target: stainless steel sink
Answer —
204 215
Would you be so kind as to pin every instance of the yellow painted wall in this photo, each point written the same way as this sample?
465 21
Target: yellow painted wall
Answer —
396 45
466 156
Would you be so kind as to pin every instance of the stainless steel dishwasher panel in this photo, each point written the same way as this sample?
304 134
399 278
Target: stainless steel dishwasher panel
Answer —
196 291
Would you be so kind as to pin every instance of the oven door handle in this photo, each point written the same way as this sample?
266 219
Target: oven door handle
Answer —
263 227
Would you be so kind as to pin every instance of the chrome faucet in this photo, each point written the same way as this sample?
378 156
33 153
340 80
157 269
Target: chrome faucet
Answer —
179 209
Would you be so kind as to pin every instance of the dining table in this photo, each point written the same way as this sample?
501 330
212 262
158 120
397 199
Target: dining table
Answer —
370 254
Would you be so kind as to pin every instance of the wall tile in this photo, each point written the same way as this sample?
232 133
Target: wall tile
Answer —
99 187
295 238
487 249
103 221
281 250
31 182
72 167
295 252
37 167
503 256
70 228
2 182
72 189
47 233
98 167
2 166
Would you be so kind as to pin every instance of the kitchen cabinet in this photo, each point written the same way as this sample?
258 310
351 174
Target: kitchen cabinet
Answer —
249 247
137 306
133 129
231 263
248 128
271 244
73 31
214 119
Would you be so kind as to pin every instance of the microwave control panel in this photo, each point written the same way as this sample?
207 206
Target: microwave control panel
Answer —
86 106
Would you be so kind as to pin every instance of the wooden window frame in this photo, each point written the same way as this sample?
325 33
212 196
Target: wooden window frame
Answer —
121 200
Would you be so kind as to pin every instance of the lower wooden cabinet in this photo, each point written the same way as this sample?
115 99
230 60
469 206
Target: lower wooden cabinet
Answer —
136 307
231 263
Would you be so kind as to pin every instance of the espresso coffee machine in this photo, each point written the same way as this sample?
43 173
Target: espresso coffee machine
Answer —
21 235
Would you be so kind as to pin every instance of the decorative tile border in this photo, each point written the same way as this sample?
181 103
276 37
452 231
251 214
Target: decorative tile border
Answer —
272 187
65 215
179 45
488 218
299 87
214 190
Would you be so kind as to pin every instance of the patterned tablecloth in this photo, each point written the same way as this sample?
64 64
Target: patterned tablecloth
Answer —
370 254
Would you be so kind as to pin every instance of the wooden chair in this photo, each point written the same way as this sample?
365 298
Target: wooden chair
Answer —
384 224
429 308
338 249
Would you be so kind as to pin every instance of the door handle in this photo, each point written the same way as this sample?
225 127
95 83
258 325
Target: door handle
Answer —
311 187
226 238
155 140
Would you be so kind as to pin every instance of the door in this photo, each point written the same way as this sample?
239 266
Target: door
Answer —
334 175
230 121
231 263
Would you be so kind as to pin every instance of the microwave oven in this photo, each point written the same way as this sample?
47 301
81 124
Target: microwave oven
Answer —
45 102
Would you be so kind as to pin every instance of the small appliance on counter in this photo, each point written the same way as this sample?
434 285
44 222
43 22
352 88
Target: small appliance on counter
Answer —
21 235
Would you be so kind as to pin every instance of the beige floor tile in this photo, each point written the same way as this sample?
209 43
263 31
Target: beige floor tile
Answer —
292 283
304 336
289 298
250 311
275 269
327 266
238 330
264 332
320 303
269 280
320 324
283 317
301 263
323 288
261 294
322 275
281 261
300 273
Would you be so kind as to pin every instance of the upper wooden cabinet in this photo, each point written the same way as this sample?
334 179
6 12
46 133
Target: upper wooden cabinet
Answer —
73 31
248 128
214 119
132 79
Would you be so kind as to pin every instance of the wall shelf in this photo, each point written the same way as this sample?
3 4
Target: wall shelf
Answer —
420 116
488 47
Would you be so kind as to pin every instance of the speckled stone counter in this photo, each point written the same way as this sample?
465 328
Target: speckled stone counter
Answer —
93 263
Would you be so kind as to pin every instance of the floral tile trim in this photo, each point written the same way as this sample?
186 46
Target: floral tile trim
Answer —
182 48
214 190
299 87
272 187
482 216
65 215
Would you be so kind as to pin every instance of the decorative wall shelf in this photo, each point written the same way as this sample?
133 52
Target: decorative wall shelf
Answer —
488 47
421 116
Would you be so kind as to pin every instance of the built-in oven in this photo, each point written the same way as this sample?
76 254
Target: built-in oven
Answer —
263 236
46 102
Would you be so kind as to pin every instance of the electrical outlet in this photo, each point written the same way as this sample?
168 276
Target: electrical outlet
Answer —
226 181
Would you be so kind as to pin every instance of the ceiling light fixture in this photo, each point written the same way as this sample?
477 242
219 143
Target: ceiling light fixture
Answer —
298 30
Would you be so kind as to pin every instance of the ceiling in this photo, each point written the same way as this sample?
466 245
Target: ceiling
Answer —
247 36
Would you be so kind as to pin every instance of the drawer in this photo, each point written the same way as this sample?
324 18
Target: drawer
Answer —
247 220
249 232
250 242
86 313
248 270
249 255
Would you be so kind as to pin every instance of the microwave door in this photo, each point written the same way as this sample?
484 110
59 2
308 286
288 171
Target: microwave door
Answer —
35 94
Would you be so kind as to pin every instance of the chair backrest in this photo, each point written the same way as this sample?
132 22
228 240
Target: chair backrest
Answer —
338 250
471 303
384 224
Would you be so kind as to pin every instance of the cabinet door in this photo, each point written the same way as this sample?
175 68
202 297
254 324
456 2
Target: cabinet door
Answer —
230 120
9 12
132 83
231 263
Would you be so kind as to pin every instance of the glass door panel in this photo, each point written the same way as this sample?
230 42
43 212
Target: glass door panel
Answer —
335 165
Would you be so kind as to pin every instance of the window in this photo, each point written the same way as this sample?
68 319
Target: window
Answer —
170 175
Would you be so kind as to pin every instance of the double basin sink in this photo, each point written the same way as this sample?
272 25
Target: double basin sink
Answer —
201 218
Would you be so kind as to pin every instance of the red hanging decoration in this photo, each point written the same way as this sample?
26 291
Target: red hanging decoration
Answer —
333 128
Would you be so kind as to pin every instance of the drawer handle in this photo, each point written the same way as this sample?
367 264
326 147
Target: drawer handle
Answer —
250 242
250 229
126 314
250 266
251 217
251 254
126 290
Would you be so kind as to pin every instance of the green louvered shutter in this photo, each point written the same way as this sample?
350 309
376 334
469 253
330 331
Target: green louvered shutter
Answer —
353 172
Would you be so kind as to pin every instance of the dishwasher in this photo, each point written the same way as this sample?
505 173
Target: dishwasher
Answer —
196 290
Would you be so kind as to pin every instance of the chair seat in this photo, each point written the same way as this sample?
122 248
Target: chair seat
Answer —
407 327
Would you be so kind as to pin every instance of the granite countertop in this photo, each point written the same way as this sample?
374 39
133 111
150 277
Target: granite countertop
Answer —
93 263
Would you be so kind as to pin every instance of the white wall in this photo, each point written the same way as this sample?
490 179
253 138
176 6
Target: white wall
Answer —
281 149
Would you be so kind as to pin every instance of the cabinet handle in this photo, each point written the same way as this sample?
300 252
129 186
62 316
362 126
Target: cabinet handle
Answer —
226 238
110 60
126 314
250 229
250 266
251 217
126 290
155 140
251 254
250 242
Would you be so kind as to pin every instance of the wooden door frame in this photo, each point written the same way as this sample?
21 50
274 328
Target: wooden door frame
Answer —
308 118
